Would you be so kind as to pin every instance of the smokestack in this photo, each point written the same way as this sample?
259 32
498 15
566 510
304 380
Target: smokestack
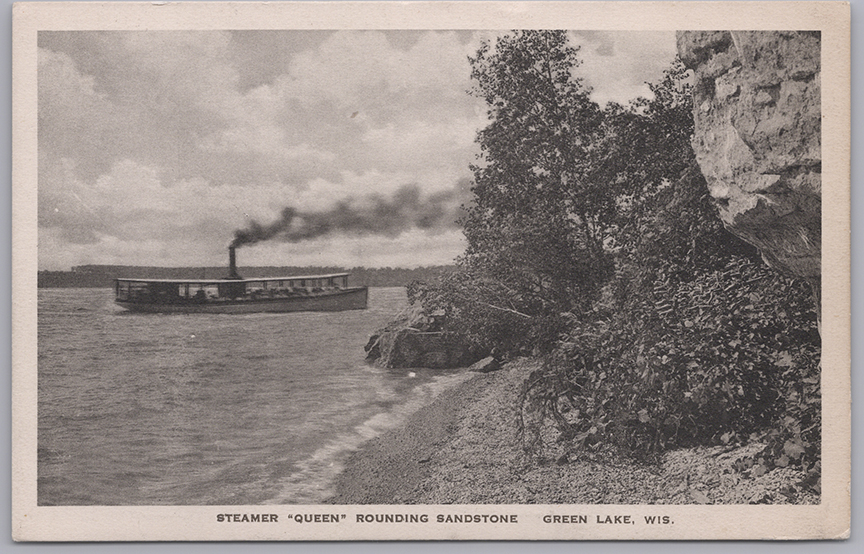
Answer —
232 264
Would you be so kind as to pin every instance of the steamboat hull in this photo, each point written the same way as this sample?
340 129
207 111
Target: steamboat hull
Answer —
336 301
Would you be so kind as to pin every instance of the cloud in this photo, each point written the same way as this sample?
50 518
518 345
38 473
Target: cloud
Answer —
617 64
362 71
155 146
73 117
405 146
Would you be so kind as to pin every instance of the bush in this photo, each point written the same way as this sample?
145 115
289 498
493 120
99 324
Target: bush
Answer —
708 361
489 315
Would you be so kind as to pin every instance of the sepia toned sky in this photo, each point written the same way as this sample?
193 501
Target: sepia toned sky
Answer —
155 147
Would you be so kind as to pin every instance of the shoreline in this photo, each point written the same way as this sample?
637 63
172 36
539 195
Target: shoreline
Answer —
388 468
463 448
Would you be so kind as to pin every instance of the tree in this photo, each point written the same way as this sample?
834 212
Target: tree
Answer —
667 223
535 233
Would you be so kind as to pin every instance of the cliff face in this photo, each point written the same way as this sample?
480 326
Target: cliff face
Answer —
757 139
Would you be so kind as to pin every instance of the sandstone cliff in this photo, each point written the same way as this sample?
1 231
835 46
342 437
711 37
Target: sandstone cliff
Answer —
757 115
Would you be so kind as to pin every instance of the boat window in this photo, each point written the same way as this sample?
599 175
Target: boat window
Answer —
255 287
138 291
198 291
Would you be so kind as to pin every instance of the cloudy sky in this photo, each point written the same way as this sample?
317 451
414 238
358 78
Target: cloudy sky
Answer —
155 147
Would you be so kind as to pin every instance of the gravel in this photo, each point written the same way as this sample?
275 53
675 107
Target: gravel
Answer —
463 448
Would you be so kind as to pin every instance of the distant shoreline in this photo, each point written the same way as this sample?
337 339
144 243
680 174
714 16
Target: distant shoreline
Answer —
102 276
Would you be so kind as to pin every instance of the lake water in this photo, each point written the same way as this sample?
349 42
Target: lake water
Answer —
145 409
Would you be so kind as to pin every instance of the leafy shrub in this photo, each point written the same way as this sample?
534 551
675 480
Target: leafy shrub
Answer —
489 315
707 361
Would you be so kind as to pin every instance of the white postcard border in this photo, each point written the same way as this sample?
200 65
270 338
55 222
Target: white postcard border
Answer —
830 519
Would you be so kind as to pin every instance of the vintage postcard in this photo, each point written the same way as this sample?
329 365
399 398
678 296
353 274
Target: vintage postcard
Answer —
431 271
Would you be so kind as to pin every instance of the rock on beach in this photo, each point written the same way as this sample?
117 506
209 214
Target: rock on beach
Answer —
486 365
415 339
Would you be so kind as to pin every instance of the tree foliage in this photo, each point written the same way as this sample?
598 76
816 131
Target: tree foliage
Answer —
594 243
535 232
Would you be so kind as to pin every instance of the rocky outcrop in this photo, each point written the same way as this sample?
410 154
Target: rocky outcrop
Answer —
417 340
757 115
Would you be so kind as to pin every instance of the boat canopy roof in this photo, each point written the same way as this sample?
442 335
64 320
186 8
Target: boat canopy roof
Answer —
221 281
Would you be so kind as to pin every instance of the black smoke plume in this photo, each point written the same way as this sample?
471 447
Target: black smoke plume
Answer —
373 215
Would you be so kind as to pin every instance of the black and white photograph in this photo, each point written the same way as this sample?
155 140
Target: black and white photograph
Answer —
528 272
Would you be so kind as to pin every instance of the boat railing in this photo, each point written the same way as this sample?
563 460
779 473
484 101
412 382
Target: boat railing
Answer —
183 292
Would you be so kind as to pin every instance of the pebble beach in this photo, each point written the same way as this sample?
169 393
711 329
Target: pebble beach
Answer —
464 448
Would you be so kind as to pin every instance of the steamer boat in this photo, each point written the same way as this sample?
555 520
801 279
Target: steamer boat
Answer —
235 295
